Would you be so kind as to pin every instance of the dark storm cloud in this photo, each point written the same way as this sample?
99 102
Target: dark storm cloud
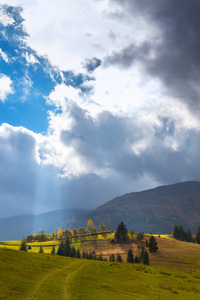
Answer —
92 64
108 143
176 49
127 56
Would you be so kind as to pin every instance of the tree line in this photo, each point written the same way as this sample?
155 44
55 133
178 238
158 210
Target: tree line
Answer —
121 236
180 234
89 229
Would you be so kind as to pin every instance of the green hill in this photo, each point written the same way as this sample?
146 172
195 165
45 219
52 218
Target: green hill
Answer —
173 274
156 210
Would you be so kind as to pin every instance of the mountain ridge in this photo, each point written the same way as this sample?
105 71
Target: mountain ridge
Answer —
155 210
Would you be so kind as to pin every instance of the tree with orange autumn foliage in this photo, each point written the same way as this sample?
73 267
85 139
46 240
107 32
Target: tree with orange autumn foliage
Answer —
60 233
90 225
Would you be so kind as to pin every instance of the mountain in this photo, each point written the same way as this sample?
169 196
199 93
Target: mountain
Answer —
18 227
156 210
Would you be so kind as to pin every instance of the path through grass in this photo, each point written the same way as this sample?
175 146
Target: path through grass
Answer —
41 276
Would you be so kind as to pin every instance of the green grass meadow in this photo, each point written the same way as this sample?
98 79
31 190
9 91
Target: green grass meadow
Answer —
42 276
174 272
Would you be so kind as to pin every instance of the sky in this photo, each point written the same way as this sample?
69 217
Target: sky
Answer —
98 98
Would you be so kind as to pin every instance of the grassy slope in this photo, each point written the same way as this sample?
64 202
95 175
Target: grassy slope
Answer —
172 253
174 273
41 276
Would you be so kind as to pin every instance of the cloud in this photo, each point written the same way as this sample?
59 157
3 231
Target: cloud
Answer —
92 64
5 19
119 123
4 56
5 87
173 54
25 186
128 55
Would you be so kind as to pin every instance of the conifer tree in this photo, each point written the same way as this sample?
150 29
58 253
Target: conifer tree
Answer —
152 244
130 258
119 258
146 258
83 254
136 259
142 252
23 246
60 250
112 257
72 252
78 254
53 251
41 250
121 234
66 247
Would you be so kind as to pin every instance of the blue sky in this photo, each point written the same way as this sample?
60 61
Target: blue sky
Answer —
97 99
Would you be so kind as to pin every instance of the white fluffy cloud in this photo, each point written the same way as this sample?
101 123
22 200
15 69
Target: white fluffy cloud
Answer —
4 56
5 87
5 19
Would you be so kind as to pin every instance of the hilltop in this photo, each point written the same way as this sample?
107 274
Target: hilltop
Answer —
155 210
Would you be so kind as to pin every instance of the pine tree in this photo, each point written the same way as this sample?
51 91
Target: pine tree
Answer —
53 251
41 250
78 254
72 252
83 254
142 252
146 258
189 236
130 258
121 234
136 259
152 244
90 255
23 246
119 258
66 247
112 257
60 250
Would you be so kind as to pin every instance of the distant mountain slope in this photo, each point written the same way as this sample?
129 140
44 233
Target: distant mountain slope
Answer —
157 210
18 227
